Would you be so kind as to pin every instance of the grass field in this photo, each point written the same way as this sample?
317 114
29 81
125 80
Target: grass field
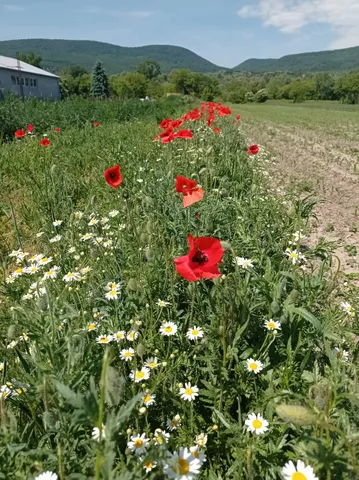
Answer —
119 363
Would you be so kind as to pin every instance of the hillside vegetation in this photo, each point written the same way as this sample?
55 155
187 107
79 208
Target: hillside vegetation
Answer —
59 54
327 61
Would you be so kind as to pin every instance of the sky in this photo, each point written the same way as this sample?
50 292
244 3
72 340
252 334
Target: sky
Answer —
225 32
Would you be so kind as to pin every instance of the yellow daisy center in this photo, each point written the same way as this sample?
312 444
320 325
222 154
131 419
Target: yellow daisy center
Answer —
293 255
195 332
128 354
140 375
189 391
195 454
299 476
104 340
152 364
168 329
159 440
91 326
257 424
147 399
271 325
138 443
119 336
253 366
183 466
131 336
149 464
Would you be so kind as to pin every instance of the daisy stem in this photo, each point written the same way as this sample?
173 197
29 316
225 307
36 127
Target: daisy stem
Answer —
101 413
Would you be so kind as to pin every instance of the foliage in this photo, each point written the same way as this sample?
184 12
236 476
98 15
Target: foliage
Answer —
99 86
347 87
261 96
149 68
31 59
199 85
130 85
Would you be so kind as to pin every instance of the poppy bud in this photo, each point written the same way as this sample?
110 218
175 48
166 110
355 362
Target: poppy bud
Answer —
140 350
296 414
226 245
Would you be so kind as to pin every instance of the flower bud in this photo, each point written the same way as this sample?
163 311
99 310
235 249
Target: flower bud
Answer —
143 410
215 427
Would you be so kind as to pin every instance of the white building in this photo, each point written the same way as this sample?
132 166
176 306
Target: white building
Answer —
26 80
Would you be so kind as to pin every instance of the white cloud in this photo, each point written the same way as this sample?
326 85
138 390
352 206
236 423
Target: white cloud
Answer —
289 16
14 8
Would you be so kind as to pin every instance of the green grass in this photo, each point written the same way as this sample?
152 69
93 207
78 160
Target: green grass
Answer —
74 384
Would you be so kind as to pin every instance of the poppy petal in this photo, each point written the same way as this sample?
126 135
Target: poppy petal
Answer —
194 197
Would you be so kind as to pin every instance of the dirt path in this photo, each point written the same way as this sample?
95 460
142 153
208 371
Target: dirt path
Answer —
309 162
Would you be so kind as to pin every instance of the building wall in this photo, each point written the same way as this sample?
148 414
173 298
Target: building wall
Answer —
30 83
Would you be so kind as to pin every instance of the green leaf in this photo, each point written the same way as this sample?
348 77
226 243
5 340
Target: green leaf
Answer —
221 418
302 312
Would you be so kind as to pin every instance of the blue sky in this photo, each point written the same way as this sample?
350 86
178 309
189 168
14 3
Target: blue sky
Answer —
225 32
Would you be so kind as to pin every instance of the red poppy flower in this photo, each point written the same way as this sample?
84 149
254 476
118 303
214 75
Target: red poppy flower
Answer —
192 193
253 150
217 130
167 136
201 260
56 129
96 124
113 176
210 120
45 142
223 111
238 117
30 128
20 134
167 123
184 134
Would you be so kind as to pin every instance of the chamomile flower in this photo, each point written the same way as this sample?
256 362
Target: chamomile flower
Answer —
197 453
149 465
162 303
104 339
12 344
4 392
71 277
85 270
152 363
27 296
201 440
112 286
132 336
52 273
113 213
78 215
195 333
18 272
118 336
161 437
140 375
168 328
138 444
294 256
341 354
2 366
147 399
174 423
301 471
348 309
22 255
47 476
254 365
182 465
43 260
15 253
55 239
256 424
122 227
57 223
93 222
245 263
96 433
127 354
86 237
10 279
98 240
107 243
24 337
92 326
32 269
272 325
189 392
39 234
111 295
104 220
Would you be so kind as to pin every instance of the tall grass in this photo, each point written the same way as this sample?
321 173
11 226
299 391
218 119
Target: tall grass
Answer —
68 383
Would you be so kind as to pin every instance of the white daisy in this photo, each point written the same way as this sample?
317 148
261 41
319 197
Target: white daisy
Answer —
244 262
348 309
15 253
182 465
2 366
341 354
10 279
197 453
168 328
78 215
161 437
92 326
149 465
52 273
162 303
152 363
140 375
96 433
98 240
113 213
299 472
189 392
85 270
4 392
113 286
104 220
27 296
55 239
127 354
57 223
122 227
138 444
256 424
147 399
71 250
22 255
118 336
195 333
106 227
32 269
174 422
44 260
104 339
86 236
272 325
201 440
294 256
71 277
132 336
47 476
254 365
107 243
111 295
92 222
24 337
18 272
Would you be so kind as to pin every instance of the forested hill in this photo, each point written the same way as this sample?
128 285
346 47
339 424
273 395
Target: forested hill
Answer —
59 54
326 61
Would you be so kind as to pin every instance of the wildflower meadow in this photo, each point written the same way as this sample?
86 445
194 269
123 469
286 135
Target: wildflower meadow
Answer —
162 312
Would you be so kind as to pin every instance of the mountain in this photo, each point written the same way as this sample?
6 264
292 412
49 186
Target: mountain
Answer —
326 61
58 54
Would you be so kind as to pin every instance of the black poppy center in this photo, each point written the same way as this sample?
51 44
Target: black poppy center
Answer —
199 257
113 175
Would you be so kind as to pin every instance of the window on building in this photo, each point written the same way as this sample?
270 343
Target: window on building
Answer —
30 80
26 81
22 81
13 79
17 81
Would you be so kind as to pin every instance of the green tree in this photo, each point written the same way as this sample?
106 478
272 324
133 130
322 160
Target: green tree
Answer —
31 59
100 86
347 88
74 71
149 68
129 85
325 86
181 81
261 96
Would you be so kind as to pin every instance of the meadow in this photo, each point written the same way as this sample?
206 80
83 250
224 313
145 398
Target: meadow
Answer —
163 314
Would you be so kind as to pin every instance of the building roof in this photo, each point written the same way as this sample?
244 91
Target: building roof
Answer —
12 64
